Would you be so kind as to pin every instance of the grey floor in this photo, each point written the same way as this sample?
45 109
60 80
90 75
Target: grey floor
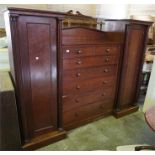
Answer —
107 134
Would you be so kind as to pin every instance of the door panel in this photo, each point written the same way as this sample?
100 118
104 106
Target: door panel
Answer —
131 64
39 74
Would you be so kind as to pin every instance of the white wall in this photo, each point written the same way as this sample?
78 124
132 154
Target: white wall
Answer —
112 11
87 9
142 9
4 6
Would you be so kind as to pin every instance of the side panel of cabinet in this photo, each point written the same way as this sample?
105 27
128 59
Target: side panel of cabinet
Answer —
131 68
38 60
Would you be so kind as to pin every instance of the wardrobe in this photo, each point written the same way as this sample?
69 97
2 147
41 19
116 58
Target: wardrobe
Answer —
66 75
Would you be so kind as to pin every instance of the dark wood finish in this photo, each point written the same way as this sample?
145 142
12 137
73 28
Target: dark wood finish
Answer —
75 100
76 116
89 62
9 125
44 139
88 85
71 52
125 111
40 80
67 77
90 74
33 50
134 35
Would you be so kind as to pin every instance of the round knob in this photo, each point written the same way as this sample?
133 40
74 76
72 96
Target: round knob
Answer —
79 62
76 114
67 51
101 107
106 70
79 52
37 58
103 94
105 82
107 50
107 59
78 74
76 100
77 87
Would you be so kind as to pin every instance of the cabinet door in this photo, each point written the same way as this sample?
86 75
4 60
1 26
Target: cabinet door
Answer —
38 59
131 68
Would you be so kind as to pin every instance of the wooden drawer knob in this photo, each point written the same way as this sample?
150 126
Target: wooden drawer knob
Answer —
107 59
76 100
105 82
64 96
79 52
107 50
76 114
103 94
79 62
105 70
77 87
101 107
67 51
78 74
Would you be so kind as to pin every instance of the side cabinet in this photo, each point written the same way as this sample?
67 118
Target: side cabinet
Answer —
35 73
133 34
133 57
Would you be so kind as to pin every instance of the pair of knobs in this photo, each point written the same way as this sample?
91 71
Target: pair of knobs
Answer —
79 74
78 51
78 86
80 62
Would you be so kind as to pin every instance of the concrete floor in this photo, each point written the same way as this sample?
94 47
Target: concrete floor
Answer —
106 134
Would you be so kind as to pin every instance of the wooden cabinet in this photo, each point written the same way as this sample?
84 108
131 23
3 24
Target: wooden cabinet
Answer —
35 73
66 77
90 75
133 34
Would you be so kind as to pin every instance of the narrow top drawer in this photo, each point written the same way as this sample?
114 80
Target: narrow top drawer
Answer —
71 52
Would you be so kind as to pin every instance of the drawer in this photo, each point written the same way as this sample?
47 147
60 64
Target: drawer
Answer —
85 62
88 85
71 52
86 112
88 73
107 50
73 101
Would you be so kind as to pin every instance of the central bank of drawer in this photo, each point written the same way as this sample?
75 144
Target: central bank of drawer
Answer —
88 85
92 61
86 112
75 100
87 73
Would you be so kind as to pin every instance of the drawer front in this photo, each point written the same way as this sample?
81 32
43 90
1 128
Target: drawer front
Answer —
86 112
94 72
73 101
107 50
71 52
89 62
88 85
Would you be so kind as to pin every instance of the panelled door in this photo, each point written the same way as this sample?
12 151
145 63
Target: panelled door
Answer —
38 60
131 70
